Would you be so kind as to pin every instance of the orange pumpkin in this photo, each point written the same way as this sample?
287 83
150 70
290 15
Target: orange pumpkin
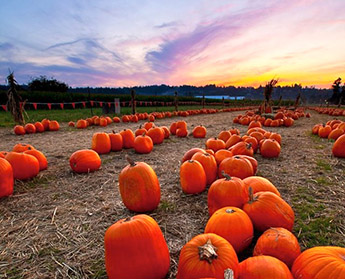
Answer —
140 131
263 267
181 132
116 119
236 166
242 148
320 262
143 144
139 187
221 154
209 164
189 153
19 130
234 225
81 124
270 148
101 143
336 133
140 239
338 148
128 138
30 128
19 147
324 131
39 127
156 134
206 255
166 132
54 125
228 191
267 210
173 128
260 184
85 160
6 178
116 141
224 135
233 140
215 144
24 166
192 177
42 160
279 243
199 132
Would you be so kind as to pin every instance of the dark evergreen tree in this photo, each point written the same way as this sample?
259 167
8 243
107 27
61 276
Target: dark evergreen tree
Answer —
42 83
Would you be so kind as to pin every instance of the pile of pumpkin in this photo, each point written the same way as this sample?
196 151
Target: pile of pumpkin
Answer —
333 130
329 111
37 127
102 121
283 117
236 207
23 162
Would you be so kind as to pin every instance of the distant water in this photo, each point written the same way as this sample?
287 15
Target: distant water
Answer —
221 97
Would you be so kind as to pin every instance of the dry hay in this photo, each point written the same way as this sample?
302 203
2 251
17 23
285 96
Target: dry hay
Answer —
54 225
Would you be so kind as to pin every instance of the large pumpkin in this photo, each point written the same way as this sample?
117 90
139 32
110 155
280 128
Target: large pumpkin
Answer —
135 248
234 225
206 255
116 141
338 148
236 166
128 138
139 187
24 166
156 134
260 184
6 178
228 191
85 160
192 177
263 267
267 210
320 262
279 243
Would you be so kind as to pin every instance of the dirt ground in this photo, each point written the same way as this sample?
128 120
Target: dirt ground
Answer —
54 225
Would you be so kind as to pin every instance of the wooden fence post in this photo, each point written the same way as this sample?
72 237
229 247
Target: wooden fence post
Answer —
133 101
176 101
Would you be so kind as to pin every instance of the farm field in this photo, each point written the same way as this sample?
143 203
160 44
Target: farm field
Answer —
53 226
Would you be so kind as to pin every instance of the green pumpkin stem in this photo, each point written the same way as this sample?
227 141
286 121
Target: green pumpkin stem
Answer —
228 274
227 177
207 252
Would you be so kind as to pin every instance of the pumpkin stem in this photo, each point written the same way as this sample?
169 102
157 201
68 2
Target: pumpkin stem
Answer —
228 274
229 210
251 195
208 252
114 132
127 219
227 177
130 161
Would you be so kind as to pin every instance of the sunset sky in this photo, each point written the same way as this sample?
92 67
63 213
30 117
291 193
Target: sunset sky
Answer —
195 42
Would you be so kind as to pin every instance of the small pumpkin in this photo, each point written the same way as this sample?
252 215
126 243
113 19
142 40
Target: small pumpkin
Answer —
54 125
116 141
139 187
209 164
135 248
189 153
81 124
260 184
6 178
199 132
236 166
215 144
143 144
85 160
140 131
42 160
156 134
101 143
20 147
19 130
30 128
192 177
242 148
128 138
270 148
39 127
206 255
45 122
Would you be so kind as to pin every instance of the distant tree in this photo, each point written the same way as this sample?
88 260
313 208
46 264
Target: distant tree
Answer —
42 83
14 99
336 96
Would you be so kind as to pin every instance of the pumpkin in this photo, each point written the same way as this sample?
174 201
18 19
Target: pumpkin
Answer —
166 132
85 160
254 124
42 160
335 134
234 225
116 119
71 124
315 129
199 132
139 187
224 135
338 149
39 127
81 124
54 125
19 130
260 184
101 143
253 141
228 191
324 131
242 148
236 166
156 134
135 248
20 147
103 122
215 144
263 267
181 132
279 243
24 166
320 262
221 154
143 144
140 131
192 177
189 153
267 210
6 178
209 164
181 125
173 128
270 148
30 128
206 255
288 122
45 122
116 141
128 138
233 140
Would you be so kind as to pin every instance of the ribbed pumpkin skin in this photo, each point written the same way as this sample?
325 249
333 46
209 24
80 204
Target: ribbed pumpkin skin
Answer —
116 141
143 144
85 160
236 166
279 243
24 166
19 147
338 148
224 192
263 267
320 262
269 210
101 143
191 267
234 225
260 184
139 187
42 160
136 249
192 177
6 178
209 164
189 153
128 138
156 134
19 130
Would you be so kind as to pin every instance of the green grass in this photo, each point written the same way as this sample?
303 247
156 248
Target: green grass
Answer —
67 115
167 206
322 164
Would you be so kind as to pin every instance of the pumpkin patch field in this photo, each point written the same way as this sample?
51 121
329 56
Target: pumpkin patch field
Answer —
54 225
